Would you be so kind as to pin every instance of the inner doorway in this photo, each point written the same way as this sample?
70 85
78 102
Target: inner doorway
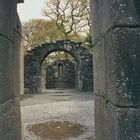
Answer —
59 71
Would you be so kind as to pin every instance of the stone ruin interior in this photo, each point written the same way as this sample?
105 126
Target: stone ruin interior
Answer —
116 60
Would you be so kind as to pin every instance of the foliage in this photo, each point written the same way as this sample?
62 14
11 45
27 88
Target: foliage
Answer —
105 100
88 41
58 55
66 19
37 31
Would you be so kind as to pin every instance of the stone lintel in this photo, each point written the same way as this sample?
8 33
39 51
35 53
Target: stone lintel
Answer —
20 1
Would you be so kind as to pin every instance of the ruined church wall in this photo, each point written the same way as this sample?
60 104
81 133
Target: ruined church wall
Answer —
116 68
34 58
10 37
64 81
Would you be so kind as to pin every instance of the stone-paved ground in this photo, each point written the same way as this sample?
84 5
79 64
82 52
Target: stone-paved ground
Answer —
58 106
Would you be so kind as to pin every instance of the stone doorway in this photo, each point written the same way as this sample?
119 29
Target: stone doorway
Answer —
59 71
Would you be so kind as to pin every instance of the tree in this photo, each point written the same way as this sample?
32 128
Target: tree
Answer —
58 55
37 31
70 16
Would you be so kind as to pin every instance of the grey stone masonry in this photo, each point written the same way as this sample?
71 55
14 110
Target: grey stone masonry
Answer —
116 68
34 58
61 74
10 37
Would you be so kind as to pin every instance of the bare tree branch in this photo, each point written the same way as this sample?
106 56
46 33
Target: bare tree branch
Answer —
69 15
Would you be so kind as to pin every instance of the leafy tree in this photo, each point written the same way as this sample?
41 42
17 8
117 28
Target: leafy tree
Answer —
37 31
58 55
70 16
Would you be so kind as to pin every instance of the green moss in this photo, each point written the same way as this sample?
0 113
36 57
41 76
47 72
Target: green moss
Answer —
105 100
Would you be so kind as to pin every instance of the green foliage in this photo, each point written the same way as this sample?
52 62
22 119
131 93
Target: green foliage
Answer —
105 100
66 19
37 31
88 41
58 55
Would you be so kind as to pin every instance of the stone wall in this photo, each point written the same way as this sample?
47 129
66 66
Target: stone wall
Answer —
61 75
35 57
10 87
116 68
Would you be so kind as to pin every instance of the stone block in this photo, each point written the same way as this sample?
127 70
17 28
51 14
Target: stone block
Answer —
117 69
20 1
59 74
18 27
21 68
105 120
122 66
114 123
10 120
18 59
8 17
6 70
112 13
16 64
99 69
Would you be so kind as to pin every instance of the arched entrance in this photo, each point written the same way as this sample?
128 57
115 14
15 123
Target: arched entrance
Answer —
59 71
35 58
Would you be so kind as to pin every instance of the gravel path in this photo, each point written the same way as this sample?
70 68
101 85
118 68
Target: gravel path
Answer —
58 105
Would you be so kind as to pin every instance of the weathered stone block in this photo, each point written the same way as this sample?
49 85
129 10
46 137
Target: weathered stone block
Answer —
16 64
18 27
117 70
6 70
10 120
21 68
60 74
18 58
114 123
99 69
105 120
8 17
109 13
122 63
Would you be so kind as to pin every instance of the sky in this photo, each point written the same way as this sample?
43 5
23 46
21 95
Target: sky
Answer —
30 9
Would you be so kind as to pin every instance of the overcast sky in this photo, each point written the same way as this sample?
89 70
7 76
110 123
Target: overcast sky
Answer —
30 9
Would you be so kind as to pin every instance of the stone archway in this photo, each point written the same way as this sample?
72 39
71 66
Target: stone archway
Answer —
35 57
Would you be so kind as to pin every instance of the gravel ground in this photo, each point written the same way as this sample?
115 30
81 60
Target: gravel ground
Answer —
58 105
